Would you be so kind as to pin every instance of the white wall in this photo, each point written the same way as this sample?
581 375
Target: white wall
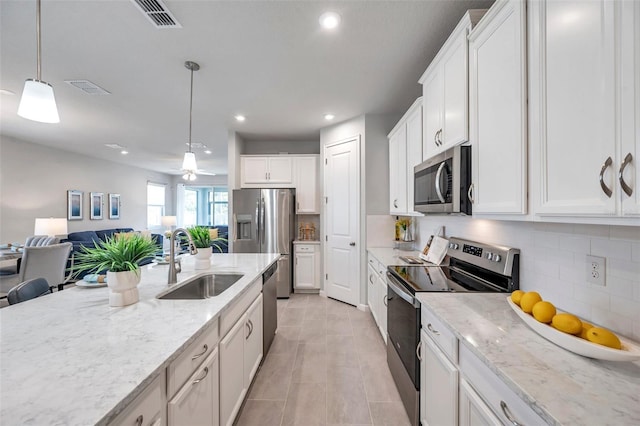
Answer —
553 261
34 180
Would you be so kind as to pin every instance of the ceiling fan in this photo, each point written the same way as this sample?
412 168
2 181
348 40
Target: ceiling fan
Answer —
197 171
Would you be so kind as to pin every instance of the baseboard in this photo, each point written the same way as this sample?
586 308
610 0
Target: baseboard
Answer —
363 308
322 293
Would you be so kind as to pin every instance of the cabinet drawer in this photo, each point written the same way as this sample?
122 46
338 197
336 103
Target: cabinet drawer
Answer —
191 358
441 335
146 409
494 391
376 265
239 307
305 248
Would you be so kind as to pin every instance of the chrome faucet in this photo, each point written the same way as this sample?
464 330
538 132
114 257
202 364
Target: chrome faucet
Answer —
173 269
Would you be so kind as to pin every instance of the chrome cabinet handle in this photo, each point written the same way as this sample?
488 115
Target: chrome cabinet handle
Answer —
419 351
433 330
196 381
205 348
470 194
508 415
395 203
626 188
435 137
438 176
384 300
246 324
604 187
439 140
371 279
249 324
139 420
352 243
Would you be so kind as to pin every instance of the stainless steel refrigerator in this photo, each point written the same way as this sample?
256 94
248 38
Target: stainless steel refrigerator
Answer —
264 222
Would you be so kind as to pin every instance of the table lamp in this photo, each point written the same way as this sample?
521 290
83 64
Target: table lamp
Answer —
51 226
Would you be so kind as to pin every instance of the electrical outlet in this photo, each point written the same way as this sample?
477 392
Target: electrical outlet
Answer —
595 268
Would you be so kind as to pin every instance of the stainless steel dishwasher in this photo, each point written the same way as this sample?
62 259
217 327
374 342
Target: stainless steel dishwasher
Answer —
269 307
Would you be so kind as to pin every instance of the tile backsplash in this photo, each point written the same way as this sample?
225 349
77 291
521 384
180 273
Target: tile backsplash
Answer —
553 263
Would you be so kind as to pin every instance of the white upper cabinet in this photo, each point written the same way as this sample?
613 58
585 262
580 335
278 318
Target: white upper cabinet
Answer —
579 136
306 184
257 171
405 152
445 91
498 109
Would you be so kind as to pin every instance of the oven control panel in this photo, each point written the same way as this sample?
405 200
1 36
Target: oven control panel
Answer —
473 250
492 257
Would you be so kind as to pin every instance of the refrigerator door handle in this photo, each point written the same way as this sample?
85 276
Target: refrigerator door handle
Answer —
262 225
235 227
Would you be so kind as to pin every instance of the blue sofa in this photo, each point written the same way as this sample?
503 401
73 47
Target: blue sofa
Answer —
90 238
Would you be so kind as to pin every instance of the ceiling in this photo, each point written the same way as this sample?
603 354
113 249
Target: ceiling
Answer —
268 60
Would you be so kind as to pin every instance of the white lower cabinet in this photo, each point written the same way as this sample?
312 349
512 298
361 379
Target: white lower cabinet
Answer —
377 294
307 267
438 385
253 341
197 402
382 304
147 409
473 411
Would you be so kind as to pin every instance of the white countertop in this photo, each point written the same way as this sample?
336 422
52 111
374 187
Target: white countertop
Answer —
562 387
389 256
70 359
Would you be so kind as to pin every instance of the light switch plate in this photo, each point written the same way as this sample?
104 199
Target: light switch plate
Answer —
595 268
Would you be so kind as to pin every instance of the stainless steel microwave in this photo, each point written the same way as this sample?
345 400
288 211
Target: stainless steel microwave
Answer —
441 184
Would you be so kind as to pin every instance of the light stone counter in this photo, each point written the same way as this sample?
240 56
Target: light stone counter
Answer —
391 257
70 359
562 387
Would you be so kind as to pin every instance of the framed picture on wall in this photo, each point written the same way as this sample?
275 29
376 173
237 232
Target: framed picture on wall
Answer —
97 201
74 205
114 206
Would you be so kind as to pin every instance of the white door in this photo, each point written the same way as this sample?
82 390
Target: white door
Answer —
414 151
306 184
342 213
232 387
253 341
254 170
439 387
499 110
305 270
280 170
397 171
455 100
197 402
432 114
573 72
473 411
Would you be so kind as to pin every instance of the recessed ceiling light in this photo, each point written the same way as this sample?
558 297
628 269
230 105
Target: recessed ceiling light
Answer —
329 20
240 118
208 151
7 92
329 116
124 152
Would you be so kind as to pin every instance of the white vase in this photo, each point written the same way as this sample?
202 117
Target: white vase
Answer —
123 287
203 258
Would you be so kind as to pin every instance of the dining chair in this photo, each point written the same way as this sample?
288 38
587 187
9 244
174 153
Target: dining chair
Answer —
28 290
47 262
32 241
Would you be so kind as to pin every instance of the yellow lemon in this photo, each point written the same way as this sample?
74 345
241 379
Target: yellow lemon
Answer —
603 337
585 327
516 296
544 311
567 323
528 300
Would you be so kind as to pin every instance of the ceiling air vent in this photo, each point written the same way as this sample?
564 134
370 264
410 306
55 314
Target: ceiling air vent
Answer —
87 87
157 13
114 146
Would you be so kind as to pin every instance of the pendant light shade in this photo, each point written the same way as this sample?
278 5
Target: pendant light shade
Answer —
189 165
38 102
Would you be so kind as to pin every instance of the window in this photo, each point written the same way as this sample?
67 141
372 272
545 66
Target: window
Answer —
203 205
190 215
219 206
155 204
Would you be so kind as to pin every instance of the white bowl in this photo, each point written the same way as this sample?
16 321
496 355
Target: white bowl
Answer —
630 351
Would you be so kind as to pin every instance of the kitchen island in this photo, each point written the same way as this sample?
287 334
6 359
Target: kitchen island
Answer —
70 359
562 388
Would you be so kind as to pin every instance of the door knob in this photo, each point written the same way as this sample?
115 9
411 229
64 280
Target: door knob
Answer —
352 243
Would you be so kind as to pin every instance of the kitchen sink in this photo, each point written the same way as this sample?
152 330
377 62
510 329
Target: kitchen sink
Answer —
201 287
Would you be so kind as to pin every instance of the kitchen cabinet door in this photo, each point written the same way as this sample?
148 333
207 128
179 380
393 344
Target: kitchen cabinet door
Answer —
253 341
498 110
147 409
306 184
573 105
432 93
398 171
197 403
473 410
438 386
414 150
280 170
454 69
372 292
305 271
382 306
232 382
255 170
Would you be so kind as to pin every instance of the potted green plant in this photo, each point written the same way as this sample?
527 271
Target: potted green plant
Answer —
202 240
121 258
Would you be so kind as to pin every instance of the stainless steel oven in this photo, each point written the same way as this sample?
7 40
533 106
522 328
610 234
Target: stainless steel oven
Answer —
442 184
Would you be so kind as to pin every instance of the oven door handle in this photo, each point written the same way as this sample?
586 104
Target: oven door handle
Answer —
397 288
438 176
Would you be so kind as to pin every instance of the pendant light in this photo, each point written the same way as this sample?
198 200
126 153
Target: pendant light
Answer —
38 102
189 163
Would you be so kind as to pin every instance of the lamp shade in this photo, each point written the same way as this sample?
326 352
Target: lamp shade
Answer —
51 226
38 102
169 221
189 162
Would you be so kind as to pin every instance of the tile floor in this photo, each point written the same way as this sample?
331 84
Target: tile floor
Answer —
327 366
